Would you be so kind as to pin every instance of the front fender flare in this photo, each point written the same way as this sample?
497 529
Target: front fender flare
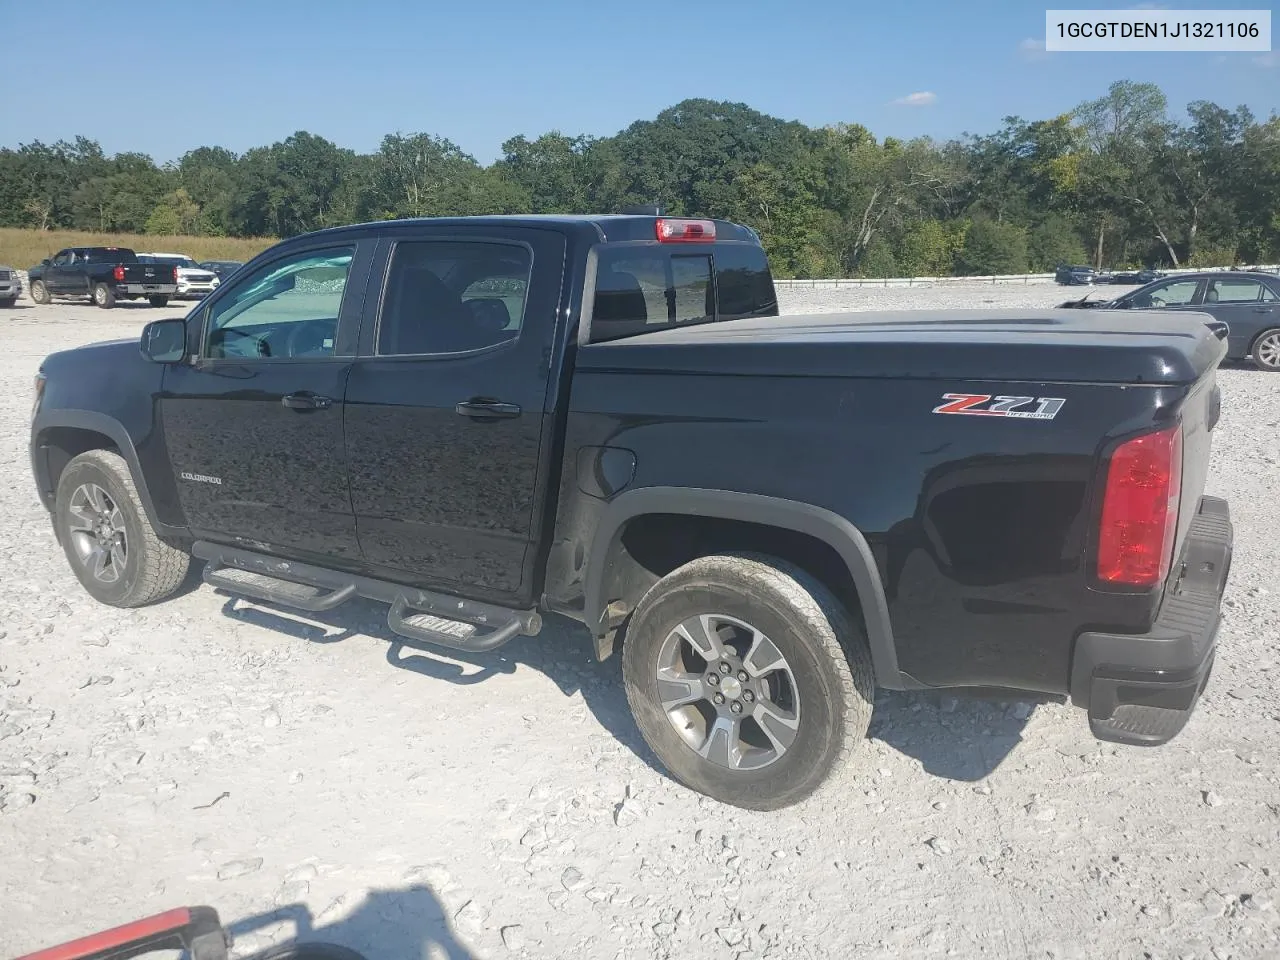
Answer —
97 423
832 529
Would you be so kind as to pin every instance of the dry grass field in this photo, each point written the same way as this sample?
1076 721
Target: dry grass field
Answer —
24 248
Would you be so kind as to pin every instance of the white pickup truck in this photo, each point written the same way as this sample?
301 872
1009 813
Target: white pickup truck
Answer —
194 282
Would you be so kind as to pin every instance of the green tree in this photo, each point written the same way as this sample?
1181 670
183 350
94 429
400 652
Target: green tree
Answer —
1052 242
175 214
993 248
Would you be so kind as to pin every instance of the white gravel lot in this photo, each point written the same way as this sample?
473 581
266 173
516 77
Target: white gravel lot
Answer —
320 777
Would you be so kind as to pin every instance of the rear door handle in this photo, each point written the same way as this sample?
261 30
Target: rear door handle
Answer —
306 401
487 409
1262 309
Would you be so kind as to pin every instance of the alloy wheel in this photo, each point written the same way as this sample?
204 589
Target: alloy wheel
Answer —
97 532
1269 350
728 691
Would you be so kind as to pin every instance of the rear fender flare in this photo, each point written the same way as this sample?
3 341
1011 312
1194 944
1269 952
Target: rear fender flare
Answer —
832 529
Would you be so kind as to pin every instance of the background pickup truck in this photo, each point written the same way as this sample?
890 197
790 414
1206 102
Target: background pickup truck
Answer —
194 281
104 275
478 421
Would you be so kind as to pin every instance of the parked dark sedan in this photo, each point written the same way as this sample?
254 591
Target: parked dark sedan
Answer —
1074 276
1247 302
1136 276
223 268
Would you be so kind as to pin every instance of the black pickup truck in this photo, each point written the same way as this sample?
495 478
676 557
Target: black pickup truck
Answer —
478 421
104 275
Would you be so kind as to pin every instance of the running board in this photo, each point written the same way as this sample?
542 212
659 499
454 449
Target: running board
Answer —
434 618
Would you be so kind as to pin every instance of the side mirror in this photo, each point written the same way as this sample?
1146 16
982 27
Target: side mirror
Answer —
44 262
164 341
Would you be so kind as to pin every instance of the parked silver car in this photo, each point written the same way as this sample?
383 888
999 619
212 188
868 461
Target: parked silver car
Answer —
10 286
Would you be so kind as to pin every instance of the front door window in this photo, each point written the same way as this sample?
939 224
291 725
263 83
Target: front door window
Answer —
287 309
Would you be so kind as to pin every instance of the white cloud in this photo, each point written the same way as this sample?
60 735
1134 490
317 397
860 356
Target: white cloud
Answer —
1032 49
1268 60
924 98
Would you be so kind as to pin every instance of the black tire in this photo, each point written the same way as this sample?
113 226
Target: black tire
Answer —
40 293
1266 350
158 301
824 647
103 296
151 570
8 302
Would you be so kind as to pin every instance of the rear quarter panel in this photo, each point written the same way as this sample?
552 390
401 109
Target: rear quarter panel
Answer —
980 526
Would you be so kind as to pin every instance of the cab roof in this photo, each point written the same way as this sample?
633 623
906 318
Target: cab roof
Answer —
608 227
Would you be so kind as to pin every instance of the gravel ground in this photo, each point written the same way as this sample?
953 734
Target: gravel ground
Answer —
320 777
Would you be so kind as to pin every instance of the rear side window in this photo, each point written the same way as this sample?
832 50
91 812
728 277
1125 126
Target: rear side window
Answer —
744 282
453 296
645 288
1234 291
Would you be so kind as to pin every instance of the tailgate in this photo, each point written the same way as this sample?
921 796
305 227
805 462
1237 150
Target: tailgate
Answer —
148 273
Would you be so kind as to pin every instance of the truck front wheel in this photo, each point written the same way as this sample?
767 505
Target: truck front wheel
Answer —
40 293
107 537
748 679
104 296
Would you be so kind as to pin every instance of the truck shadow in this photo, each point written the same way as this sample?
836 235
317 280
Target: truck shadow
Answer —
954 738
386 925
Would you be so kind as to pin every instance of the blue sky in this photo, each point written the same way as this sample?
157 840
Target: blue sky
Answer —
241 74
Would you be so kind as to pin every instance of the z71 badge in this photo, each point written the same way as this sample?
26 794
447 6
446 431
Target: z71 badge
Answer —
985 405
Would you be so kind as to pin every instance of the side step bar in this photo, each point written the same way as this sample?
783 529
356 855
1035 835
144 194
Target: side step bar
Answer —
421 615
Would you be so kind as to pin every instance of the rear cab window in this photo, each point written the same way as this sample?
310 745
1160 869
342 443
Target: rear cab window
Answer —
110 255
642 287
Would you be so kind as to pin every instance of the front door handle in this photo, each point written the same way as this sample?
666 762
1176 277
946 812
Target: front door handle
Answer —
487 409
306 401
1262 309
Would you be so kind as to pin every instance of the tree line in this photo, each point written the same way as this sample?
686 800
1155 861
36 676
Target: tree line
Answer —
1115 182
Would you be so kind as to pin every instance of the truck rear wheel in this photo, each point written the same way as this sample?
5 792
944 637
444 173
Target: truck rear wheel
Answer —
748 679
104 296
158 301
40 293
107 537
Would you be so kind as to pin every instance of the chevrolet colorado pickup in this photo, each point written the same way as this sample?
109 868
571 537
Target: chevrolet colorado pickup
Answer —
477 421
104 275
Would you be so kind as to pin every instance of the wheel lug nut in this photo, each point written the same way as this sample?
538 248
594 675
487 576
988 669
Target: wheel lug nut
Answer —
736 707
748 696
742 675
713 678
725 668
718 698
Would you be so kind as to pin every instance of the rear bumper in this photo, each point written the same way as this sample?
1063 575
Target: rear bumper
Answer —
146 289
1141 689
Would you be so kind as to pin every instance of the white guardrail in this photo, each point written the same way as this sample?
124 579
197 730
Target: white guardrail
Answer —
1024 278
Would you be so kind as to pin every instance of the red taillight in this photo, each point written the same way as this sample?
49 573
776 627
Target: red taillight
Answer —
685 231
1140 509
118 273
175 274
